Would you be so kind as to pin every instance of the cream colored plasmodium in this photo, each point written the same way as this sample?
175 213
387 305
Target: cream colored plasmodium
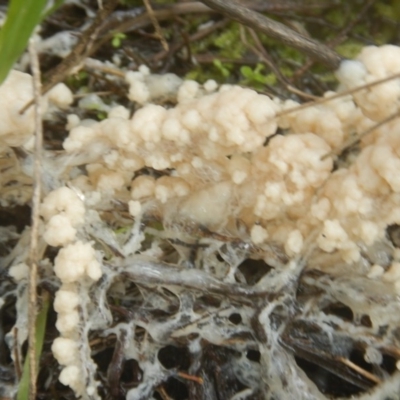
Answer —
75 261
16 92
215 137
77 267
213 142
63 212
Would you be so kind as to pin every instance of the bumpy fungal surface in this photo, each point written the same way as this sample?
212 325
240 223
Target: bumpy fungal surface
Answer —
214 249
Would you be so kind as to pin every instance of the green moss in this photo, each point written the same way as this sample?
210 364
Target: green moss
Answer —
101 115
349 49
282 52
117 39
328 78
390 11
202 74
336 17
78 81
229 42
224 69
286 71
256 77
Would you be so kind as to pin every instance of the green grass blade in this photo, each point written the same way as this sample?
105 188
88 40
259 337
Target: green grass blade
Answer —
22 17
23 388
56 4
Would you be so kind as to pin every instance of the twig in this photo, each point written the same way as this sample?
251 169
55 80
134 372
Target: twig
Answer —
34 240
81 50
276 30
360 370
162 392
349 26
17 354
159 273
262 54
338 95
187 40
340 37
131 20
114 370
78 54
156 25
102 93
193 378
147 272
92 63
125 21
352 141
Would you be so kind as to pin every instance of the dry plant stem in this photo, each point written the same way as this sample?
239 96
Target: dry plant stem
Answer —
81 95
193 38
352 141
128 21
81 50
338 39
17 354
263 55
78 54
281 6
351 24
278 31
163 393
193 378
155 23
94 64
125 21
115 368
149 273
360 370
210 58
34 240
338 95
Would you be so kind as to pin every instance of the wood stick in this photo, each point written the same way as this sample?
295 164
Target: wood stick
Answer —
34 239
276 30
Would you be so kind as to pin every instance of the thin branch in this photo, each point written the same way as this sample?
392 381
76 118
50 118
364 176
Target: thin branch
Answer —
17 354
34 240
275 29
92 63
135 18
192 378
156 25
338 95
352 23
162 392
264 56
352 141
79 52
360 370
342 35
187 40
